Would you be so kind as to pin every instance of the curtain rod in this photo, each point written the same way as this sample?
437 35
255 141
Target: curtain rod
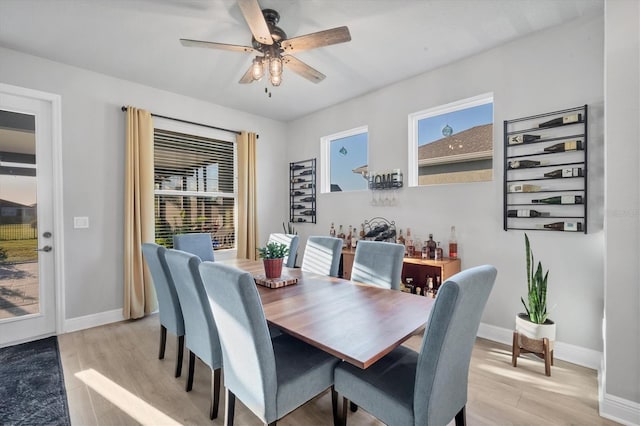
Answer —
237 132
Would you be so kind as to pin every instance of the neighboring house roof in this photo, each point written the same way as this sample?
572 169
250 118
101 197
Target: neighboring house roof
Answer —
7 203
470 144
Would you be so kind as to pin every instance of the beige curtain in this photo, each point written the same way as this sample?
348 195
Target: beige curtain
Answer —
247 241
139 294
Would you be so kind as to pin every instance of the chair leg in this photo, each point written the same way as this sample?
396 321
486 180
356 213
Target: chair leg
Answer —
345 403
230 407
515 351
179 356
215 393
334 407
461 417
353 407
192 365
163 341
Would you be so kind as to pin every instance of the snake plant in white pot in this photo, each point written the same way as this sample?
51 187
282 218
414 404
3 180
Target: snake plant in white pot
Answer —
534 323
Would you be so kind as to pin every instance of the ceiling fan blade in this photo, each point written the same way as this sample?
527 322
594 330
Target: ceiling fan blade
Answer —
247 77
213 45
257 24
314 40
302 69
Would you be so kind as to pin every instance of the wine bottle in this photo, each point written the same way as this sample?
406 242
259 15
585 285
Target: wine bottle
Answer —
297 180
301 220
306 185
297 166
567 119
565 146
453 244
560 199
564 226
299 193
564 173
308 212
526 164
332 231
307 199
306 173
298 206
518 139
524 188
526 213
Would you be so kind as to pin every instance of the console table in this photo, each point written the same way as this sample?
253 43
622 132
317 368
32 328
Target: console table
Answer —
414 267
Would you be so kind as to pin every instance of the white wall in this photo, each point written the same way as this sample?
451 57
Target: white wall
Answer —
93 134
552 70
622 207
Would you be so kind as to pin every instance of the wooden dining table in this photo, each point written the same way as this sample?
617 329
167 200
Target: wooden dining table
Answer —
353 321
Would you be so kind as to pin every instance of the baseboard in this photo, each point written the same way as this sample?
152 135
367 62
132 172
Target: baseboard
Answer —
620 410
564 351
93 320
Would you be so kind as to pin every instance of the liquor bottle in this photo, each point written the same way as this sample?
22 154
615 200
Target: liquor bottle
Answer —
453 244
526 164
409 244
348 237
565 173
362 231
306 173
432 247
565 146
438 282
307 199
560 199
341 233
429 283
567 119
439 252
400 239
517 139
332 231
564 226
527 213
354 237
518 187
308 212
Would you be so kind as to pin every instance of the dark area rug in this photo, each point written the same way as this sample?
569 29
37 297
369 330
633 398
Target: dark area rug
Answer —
32 385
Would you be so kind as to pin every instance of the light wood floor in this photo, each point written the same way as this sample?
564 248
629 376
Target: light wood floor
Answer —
113 377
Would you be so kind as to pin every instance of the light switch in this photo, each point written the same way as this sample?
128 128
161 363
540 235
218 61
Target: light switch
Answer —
80 222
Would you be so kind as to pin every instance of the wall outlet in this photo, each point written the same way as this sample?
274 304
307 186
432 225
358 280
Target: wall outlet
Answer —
80 222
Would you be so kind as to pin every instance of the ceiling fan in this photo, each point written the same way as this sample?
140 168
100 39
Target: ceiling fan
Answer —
272 47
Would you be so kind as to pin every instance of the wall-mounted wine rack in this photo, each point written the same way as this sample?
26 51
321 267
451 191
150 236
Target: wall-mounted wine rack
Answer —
545 171
302 191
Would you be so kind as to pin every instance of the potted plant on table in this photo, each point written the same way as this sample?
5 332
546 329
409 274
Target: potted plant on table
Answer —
272 255
535 323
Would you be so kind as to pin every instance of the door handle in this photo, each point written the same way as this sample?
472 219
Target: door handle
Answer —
45 249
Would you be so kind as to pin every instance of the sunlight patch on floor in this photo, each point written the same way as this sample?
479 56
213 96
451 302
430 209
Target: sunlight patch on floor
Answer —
135 407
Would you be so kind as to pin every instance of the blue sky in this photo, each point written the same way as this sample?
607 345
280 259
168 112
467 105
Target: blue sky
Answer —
430 129
343 161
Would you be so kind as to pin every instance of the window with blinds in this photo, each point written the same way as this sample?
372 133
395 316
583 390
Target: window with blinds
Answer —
195 188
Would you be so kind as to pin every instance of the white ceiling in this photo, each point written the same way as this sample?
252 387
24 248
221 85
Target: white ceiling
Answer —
137 40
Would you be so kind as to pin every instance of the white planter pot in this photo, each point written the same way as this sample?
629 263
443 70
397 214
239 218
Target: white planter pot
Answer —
533 330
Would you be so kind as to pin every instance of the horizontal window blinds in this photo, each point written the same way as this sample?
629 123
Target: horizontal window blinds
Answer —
195 184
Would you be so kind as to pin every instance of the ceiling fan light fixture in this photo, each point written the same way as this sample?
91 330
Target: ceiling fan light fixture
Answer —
275 79
275 66
257 69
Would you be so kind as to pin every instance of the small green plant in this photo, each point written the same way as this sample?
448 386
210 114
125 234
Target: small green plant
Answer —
289 229
536 287
273 250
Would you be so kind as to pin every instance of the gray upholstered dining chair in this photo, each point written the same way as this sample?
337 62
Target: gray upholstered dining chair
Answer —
430 387
272 377
322 255
169 305
200 329
291 241
378 263
199 244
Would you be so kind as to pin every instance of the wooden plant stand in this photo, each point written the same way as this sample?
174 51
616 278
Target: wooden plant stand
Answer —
540 347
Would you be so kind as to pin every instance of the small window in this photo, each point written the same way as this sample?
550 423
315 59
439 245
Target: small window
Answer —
344 160
452 143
